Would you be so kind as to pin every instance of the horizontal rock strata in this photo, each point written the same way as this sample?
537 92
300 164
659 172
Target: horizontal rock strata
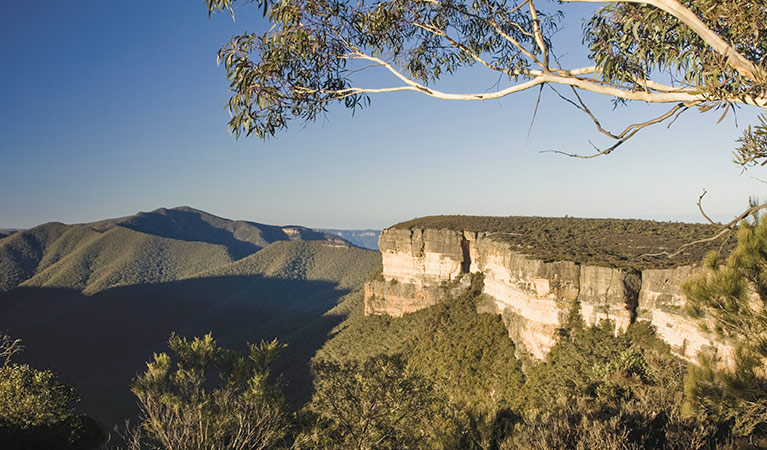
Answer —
533 296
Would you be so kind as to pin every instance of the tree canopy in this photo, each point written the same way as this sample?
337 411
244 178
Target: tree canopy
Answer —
691 53
730 300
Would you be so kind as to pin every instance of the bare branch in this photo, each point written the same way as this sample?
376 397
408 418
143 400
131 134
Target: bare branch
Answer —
8 348
623 136
700 207
576 72
535 112
726 228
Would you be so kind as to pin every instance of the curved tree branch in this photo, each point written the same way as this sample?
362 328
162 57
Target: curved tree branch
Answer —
537 77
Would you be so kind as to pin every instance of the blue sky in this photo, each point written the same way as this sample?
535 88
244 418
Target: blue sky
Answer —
109 108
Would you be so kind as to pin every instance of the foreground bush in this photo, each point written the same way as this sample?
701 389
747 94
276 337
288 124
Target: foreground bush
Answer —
376 404
37 410
208 397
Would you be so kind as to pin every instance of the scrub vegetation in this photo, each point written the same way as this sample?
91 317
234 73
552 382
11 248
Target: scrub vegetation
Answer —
37 410
622 243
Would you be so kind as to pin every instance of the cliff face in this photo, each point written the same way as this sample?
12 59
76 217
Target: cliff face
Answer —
532 296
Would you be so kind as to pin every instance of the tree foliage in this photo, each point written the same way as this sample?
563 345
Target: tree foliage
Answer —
468 354
31 397
599 390
631 41
704 53
730 301
37 410
183 407
376 404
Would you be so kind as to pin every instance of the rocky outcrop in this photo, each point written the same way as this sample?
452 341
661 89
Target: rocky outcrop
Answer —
533 296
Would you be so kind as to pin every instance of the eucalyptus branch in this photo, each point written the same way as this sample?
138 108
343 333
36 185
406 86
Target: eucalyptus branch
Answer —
539 35
463 48
412 85
734 58
302 63
537 78
514 42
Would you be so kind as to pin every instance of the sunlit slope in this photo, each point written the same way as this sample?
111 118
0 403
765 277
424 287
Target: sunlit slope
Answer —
21 253
345 265
121 257
162 245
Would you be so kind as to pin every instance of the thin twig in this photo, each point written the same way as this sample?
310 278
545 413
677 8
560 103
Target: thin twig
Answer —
700 207
8 348
535 113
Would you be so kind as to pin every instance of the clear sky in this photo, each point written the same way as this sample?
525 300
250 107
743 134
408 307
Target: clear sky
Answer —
109 108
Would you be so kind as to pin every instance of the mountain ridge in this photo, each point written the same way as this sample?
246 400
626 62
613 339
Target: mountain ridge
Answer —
33 256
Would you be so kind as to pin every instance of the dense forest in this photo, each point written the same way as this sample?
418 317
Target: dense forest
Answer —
442 378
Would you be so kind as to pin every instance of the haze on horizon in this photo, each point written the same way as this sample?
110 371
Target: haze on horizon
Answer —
125 113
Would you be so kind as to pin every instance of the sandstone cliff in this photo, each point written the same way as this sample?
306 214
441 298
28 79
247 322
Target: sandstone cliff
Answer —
532 295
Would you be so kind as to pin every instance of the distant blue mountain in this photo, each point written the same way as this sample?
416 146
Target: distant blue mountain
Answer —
360 238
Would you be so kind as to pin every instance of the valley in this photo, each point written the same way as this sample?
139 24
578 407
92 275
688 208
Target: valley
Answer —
93 301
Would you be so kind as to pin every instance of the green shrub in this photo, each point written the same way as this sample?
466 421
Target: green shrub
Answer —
37 410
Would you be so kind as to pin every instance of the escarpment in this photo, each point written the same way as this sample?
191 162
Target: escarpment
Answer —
533 293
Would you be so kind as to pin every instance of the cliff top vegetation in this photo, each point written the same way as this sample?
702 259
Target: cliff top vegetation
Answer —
621 243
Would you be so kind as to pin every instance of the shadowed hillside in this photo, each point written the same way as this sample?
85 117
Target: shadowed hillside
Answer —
94 301
99 342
